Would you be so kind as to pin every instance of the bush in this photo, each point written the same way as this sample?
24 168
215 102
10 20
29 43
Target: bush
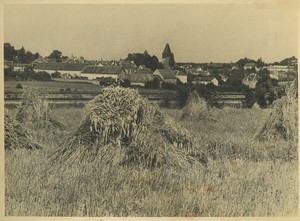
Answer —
168 86
19 86
155 83
56 75
106 81
125 83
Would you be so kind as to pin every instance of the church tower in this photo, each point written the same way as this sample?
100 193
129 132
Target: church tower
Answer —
168 57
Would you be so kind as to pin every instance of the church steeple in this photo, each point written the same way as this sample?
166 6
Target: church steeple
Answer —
168 57
167 51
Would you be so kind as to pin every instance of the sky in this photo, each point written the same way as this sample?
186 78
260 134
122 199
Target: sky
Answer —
195 32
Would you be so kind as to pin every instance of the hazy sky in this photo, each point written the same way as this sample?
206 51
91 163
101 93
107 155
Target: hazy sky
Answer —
198 33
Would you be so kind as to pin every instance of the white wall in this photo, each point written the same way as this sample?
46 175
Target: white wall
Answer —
182 78
94 76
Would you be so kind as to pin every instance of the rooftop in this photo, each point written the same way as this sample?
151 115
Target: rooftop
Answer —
103 70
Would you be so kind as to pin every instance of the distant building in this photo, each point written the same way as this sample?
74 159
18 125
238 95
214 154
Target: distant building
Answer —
8 64
181 76
251 80
293 62
235 67
140 78
166 75
40 59
74 60
143 71
63 68
280 68
232 99
129 66
205 80
168 59
20 67
94 72
249 66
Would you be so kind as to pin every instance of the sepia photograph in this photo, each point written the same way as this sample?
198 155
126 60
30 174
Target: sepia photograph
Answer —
152 109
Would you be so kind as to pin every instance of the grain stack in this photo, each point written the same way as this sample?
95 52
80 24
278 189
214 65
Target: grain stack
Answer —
16 136
196 109
122 128
283 119
34 112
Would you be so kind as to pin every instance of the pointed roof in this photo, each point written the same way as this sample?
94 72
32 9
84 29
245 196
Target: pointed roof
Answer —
167 50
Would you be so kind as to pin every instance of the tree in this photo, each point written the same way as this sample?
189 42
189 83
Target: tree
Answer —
56 55
21 55
149 61
241 63
9 52
260 63
155 83
286 61
264 90
183 93
236 78
250 98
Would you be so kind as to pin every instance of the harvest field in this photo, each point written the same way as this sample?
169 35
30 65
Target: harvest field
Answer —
243 176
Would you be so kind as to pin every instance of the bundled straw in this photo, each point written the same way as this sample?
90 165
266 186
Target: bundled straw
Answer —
34 112
122 128
283 119
16 136
255 106
196 109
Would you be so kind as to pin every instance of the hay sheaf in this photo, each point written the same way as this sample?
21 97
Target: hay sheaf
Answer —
283 120
16 136
196 109
122 128
35 114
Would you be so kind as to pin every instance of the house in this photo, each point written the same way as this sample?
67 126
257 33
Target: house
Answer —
129 66
74 60
166 75
181 76
205 80
20 67
140 78
279 68
199 69
232 99
8 64
235 67
40 59
63 68
251 80
94 72
143 71
249 66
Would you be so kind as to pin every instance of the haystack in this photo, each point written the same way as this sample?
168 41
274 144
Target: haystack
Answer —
34 112
16 136
122 128
255 106
196 109
283 119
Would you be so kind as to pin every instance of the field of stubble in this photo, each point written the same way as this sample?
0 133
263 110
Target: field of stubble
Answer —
244 177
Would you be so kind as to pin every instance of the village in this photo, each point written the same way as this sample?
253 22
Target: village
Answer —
150 110
227 83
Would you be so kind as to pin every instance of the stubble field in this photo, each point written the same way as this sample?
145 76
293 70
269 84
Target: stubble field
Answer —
244 177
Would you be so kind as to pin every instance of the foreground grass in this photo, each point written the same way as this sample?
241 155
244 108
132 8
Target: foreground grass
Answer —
243 177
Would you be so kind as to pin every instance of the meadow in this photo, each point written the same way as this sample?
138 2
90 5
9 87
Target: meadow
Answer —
244 177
